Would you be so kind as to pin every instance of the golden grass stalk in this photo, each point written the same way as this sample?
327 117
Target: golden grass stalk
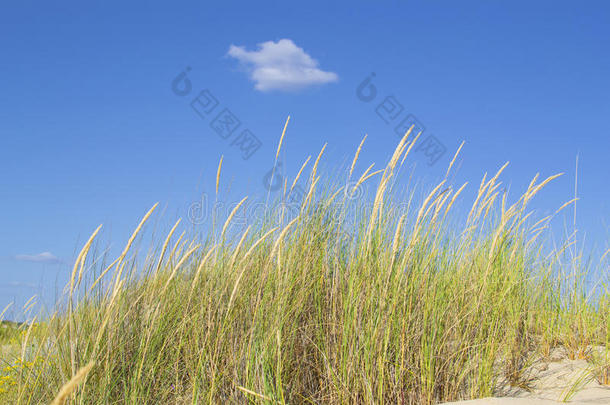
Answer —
256 394
177 266
397 238
315 165
165 244
383 184
299 173
365 176
132 238
202 264
281 236
279 145
218 173
351 169
454 158
237 249
71 385
255 244
411 145
455 196
82 257
230 217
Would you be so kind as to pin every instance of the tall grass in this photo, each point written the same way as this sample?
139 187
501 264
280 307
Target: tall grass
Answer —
335 302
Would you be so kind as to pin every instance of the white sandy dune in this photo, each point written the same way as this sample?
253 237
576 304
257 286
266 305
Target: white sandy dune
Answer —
554 382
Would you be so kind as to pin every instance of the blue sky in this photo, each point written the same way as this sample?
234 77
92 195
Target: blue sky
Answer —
93 133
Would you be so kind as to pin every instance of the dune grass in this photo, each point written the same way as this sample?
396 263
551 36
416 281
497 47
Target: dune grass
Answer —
333 301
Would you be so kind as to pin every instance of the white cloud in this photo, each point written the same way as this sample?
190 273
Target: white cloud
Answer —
281 65
20 284
44 257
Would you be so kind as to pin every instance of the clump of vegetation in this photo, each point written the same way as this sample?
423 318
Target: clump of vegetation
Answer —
334 303
9 332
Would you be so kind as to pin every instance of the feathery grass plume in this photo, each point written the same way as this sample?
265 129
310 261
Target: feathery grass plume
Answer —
177 247
255 244
315 165
423 209
164 248
476 204
402 145
531 185
239 244
255 394
279 145
493 180
441 203
230 217
411 145
310 193
601 260
531 193
351 169
4 310
385 178
218 173
83 255
544 221
102 274
294 183
566 204
277 247
332 197
71 385
396 239
29 304
454 158
365 176
202 264
131 239
281 236
80 260
277 154
180 263
486 191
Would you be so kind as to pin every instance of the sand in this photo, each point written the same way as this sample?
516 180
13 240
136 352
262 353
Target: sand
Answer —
553 382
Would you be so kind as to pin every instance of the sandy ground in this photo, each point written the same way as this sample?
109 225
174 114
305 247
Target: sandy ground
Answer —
554 382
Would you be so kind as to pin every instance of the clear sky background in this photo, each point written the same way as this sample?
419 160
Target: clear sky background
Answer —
92 132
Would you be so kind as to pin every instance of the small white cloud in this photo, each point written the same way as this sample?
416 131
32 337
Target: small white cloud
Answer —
44 257
20 284
281 65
